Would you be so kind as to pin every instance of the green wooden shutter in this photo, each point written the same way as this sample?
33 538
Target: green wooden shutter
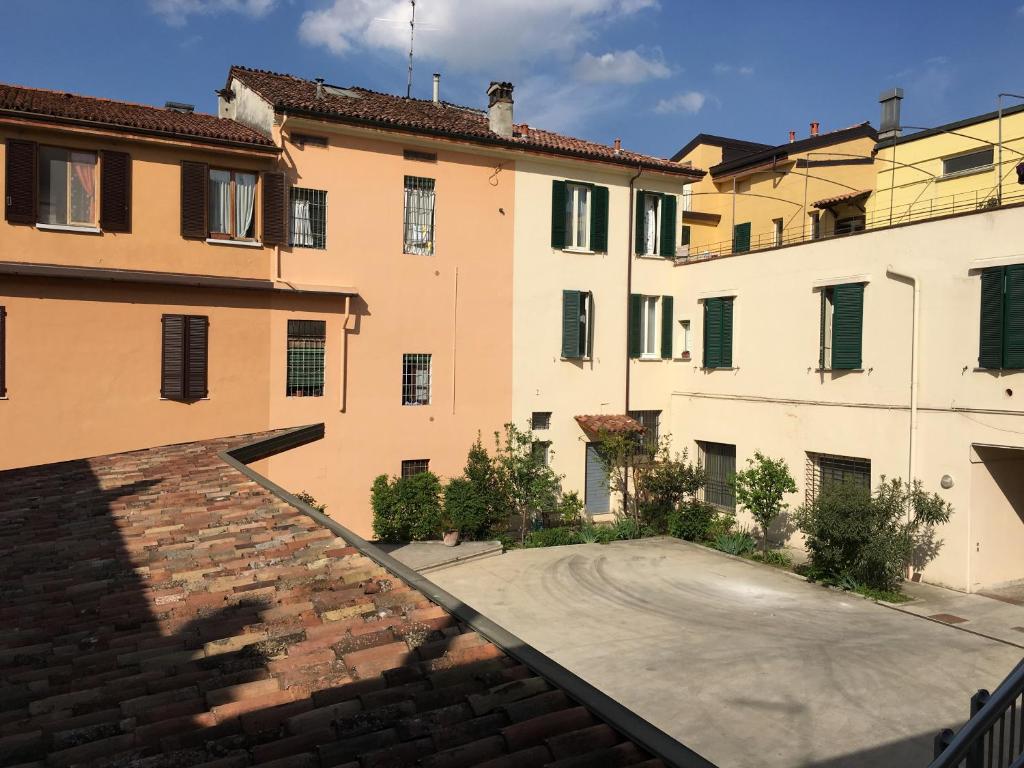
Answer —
635 324
638 245
558 214
713 333
172 357
727 332
990 348
667 325
847 325
821 327
684 235
1013 318
741 238
668 226
571 324
599 219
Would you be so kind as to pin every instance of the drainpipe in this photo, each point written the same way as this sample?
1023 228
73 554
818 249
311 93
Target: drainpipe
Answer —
344 352
914 355
629 272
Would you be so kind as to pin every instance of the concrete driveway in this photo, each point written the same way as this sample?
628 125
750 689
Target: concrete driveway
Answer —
745 664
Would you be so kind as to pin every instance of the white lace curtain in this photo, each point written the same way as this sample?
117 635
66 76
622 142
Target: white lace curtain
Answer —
245 199
302 229
220 201
650 224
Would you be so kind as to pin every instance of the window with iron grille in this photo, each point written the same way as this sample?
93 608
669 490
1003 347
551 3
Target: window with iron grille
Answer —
541 451
412 467
307 344
719 462
824 469
540 420
649 421
308 218
415 379
419 215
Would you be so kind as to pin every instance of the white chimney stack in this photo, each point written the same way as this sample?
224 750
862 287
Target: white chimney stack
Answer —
499 108
437 87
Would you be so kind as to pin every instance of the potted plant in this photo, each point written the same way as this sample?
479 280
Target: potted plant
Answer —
449 532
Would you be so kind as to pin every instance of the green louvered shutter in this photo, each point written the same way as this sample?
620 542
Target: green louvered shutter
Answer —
713 333
638 245
741 238
571 324
667 324
635 324
668 226
599 219
558 214
1013 318
727 332
990 351
684 235
821 327
847 326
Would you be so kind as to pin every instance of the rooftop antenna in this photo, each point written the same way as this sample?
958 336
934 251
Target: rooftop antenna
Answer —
412 33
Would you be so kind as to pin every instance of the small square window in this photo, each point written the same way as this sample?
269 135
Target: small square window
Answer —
412 467
540 420
415 379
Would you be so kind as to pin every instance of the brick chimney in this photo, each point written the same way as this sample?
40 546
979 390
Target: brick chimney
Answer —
792 136
618 146
499 108
814 128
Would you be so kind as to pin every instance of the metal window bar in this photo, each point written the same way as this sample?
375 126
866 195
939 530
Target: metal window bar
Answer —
308 209
419 216
649 421
307 346
719 462
412 467
824 469
415 379
540 420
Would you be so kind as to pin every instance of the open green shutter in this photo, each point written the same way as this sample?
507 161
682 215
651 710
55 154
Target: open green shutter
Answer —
638 245
571 324
668 226
635 324
741 238
713 333
990 350
558 214
599 219
1013 318
821 327
727 332
667 324
847 325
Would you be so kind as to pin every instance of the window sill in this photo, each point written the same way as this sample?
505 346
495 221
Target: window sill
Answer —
70 228
682 359
839 370
705 368
577 250
654 256
649 359
415 405
997 370
237 243
575 359
967 172
417 253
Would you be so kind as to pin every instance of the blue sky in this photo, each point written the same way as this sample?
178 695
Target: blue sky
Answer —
655 72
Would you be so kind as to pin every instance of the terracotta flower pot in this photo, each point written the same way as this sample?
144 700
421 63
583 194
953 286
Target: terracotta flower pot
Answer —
451 538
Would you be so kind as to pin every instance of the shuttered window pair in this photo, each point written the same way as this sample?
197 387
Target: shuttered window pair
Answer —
183 374
579 216
718 332
1001 342
645 329
577 324
220 203
655 224
841 328
50 185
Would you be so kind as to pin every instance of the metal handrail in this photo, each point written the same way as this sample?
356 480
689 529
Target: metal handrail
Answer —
975 743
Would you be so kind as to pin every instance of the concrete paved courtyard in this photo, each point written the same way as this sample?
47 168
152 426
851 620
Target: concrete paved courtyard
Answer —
745 664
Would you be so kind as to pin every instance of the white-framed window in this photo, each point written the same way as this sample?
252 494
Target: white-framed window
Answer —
577 216
815 224
684 339
416 379
418 227
652 224
67 187
777 232
232 205
687 197
649 326
970 162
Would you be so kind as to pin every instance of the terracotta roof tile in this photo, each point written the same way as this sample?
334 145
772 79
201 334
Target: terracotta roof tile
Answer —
359 105
162 609
848 197
609 422
38 103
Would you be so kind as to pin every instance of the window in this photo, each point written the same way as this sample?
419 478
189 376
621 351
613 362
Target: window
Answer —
649 332
577 310
684 237
644 329
719 462
684 339
652 203
412 467
3 352
232 205
966 163
307 346
540 420
825 469
541 451
777 232
687 197
303 140
419 216
655 224
849 224
841 331
718 332
815 224
741 238
577 216
183 357
649 421
415 379
1001 342
309 218
67 187
421 157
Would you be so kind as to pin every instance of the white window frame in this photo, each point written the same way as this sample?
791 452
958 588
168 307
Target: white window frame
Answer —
967 171
826 291
777 232
649 328
687 197
575 194
423 379
419 237
651 244
586 318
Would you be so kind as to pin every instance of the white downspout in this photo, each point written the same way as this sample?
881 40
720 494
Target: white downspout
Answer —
914 355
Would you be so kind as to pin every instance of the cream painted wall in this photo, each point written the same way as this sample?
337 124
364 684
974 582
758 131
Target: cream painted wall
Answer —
776 401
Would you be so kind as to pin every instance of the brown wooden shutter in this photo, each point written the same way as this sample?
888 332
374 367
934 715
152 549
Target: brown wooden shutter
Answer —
195 181
172 366
115 191
3 352
274 230
196 338
20 188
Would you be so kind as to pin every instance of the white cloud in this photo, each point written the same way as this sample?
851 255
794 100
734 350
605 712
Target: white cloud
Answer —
494 36
557 104
691 102
176 12
625 67
732 69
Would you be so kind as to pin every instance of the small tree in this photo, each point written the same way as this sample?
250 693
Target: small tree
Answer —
760 488
528 486
624 457
473 503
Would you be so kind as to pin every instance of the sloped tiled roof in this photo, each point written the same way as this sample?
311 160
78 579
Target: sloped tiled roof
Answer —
609 422
162 609
287 93
37 103
844 198
783 151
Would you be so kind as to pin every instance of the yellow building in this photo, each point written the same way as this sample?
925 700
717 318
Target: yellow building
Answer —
758 196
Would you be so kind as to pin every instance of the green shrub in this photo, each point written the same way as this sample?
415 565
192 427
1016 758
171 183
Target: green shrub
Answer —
588 534
570 508
692 521
551 537
721 524
773 557
626 528
467 509
307 498
737 543
408 508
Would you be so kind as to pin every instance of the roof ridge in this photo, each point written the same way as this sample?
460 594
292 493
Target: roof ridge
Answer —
107 99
